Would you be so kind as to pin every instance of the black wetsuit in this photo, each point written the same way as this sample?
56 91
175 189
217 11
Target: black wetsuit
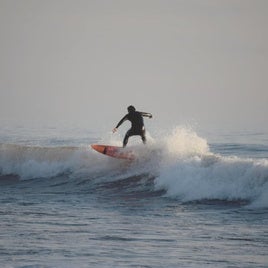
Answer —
137 125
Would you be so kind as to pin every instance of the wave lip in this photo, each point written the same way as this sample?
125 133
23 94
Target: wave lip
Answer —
29 162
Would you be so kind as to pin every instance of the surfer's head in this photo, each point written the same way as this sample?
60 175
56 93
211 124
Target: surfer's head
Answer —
131 108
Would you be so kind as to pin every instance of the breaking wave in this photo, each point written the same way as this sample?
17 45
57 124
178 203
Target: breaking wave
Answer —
179 165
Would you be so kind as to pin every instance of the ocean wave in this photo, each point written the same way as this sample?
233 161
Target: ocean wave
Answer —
179 164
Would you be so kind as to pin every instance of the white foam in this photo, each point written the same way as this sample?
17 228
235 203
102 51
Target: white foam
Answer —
189 171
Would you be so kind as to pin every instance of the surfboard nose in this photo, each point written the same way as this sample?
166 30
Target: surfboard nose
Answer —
99 148
113 151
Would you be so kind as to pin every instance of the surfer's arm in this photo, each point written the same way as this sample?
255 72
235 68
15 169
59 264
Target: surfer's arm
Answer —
146 114
120 123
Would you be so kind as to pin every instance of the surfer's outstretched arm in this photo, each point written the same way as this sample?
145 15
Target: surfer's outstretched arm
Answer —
120 123
146 114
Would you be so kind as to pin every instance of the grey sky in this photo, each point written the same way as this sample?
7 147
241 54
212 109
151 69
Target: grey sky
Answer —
201 62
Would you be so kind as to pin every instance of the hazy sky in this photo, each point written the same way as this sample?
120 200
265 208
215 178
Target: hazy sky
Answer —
200 62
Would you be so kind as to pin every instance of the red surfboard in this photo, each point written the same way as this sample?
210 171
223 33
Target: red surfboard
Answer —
114 151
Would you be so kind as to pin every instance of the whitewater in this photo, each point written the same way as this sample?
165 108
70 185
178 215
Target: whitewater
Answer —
185 201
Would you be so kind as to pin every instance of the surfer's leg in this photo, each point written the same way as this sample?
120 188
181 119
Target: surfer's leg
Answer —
143 137
125 141
126 138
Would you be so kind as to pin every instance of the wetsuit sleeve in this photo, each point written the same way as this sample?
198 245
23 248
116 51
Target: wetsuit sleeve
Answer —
122 121
146 114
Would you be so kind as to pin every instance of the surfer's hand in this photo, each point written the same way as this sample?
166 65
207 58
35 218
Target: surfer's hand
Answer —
150 116
114 130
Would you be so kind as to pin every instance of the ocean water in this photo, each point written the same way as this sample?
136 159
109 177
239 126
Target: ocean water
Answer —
188 200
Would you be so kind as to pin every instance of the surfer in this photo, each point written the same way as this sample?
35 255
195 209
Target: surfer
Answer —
137 125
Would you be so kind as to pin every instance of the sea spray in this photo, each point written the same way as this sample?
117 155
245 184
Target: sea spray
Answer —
184 142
